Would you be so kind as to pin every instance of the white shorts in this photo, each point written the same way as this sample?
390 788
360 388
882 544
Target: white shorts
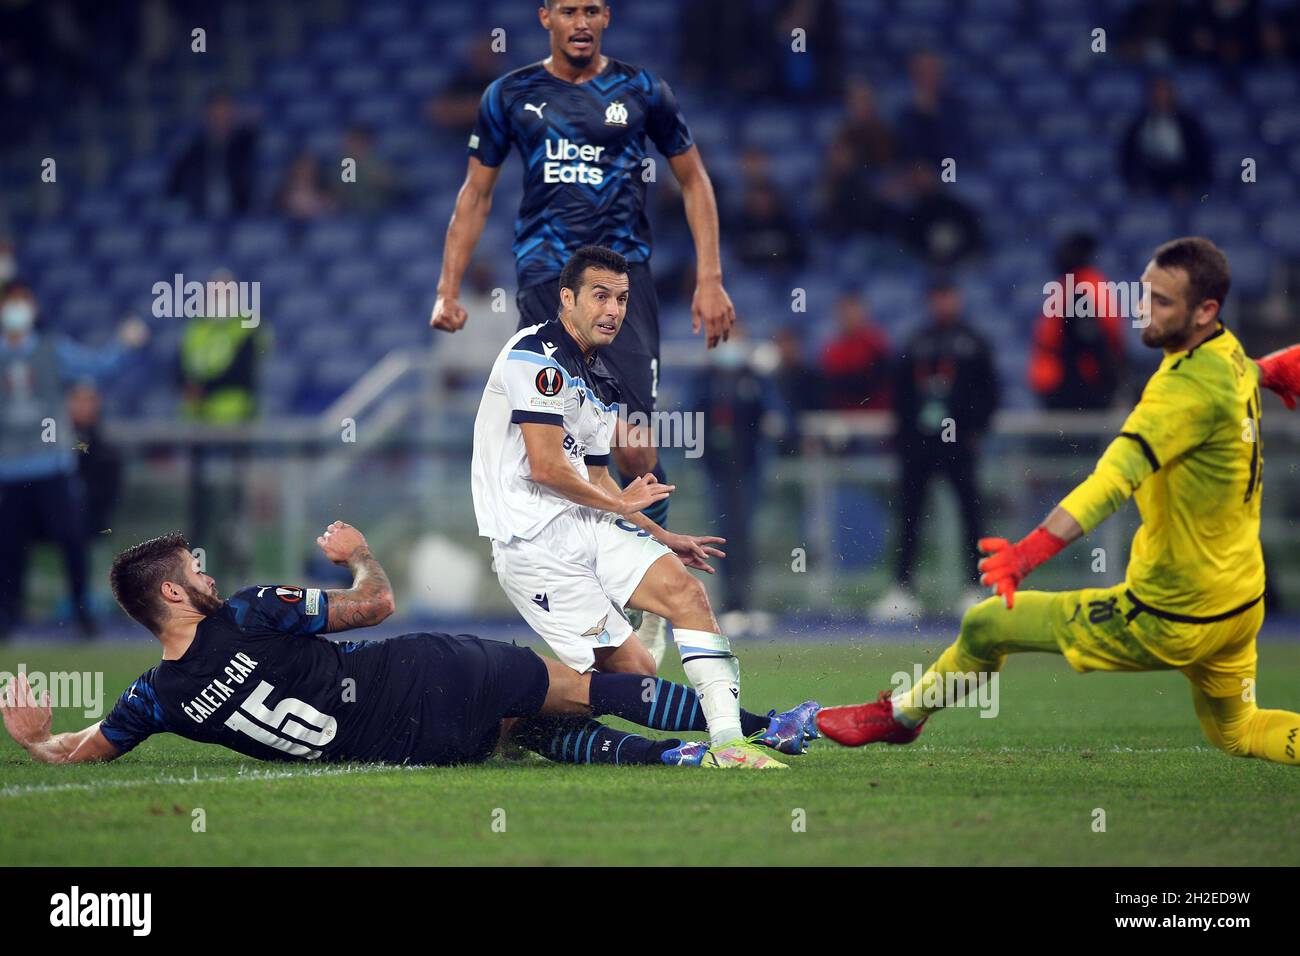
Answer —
571 581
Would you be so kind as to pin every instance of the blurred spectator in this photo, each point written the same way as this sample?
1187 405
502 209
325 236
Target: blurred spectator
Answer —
304 194
98 464
847 201
797 389
8 261
938 225
217 366
1165 149
855 363
1228 33
740 65
215 173
817 72
41 495
1078 357
869 138
731 395
455 107
218 369
932 127
377 185
945 392
767 236
1154 31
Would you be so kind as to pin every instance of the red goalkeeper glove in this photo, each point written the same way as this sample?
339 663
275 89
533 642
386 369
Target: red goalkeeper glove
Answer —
1007 563
1281 372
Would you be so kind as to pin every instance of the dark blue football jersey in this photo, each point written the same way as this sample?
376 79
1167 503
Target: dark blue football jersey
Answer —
583 147
260 680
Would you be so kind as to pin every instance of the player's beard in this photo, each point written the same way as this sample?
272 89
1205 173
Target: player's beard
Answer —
205 602
1170 338
577 62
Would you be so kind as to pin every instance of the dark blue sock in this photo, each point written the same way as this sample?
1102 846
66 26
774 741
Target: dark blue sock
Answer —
656 703
658 512
581 740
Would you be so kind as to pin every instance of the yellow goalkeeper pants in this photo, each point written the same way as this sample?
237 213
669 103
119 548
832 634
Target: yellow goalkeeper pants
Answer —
1106 629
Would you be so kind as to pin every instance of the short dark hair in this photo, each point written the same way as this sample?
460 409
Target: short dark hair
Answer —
1076 251
16 284
139 571
1208 276
585 258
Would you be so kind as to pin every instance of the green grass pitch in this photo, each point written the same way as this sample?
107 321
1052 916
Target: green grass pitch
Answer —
1021 788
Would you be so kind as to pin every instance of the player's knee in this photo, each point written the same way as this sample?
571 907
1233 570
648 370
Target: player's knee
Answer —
687 600
631 657
1226 722
569 692
1232 738
980 627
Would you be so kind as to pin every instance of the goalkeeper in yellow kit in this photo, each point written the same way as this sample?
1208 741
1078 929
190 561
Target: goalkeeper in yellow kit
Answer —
1192 599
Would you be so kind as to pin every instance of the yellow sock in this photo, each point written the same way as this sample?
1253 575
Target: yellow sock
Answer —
1240 728
955 660
1275 736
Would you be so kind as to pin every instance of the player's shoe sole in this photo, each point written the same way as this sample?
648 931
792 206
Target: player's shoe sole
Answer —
789 732
741 755
871 723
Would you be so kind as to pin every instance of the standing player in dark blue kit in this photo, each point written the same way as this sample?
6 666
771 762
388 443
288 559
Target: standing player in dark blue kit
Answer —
252 674
580 121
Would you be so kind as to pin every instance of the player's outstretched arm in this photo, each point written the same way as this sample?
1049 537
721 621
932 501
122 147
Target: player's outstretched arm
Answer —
370 599
1280 372
1008 564
28 722
693 550
473 203
711 307
548 464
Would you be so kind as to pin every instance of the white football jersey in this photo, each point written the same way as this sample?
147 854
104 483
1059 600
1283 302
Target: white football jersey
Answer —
540 376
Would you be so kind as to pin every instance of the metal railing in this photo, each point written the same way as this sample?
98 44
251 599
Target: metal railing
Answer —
402 473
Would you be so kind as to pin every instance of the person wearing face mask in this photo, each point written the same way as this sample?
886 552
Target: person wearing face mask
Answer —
41 496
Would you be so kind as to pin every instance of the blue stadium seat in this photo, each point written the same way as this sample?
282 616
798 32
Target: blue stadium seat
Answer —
188 240
1281 230
334 238
348 275
49 241
1268 88
119 241
259 239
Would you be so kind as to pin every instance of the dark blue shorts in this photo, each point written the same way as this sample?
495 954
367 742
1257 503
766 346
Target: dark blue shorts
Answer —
445 698
633 356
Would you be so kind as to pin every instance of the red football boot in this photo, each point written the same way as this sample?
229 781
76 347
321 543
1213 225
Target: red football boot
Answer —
866 724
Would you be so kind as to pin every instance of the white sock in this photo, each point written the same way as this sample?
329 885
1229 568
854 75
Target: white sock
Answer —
900 715
715 673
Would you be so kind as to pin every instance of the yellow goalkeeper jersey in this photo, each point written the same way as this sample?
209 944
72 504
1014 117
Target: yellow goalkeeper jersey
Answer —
1191 455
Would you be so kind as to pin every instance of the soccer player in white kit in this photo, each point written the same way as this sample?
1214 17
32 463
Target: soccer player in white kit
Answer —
571 548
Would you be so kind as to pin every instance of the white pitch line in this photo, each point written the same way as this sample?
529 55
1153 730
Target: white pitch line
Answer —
20 790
